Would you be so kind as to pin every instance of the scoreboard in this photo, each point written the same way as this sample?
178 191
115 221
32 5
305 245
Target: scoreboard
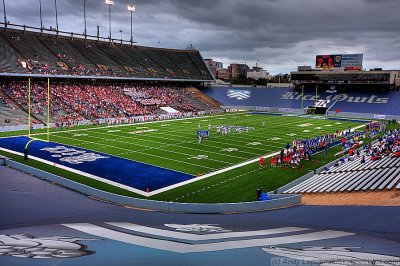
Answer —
339 61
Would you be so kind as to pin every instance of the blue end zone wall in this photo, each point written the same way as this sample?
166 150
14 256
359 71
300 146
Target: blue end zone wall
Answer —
123 171
357 102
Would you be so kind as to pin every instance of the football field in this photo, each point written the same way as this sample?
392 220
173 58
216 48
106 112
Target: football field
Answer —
174 145
163 160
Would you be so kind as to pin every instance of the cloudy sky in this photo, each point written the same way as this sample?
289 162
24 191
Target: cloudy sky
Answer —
281 34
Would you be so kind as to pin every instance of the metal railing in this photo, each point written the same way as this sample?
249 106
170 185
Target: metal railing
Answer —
54 32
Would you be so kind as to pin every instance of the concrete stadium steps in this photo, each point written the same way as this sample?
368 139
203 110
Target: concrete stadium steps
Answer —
203 98
380 175
98 57
16 116
31 48
9 58
115 52
73 58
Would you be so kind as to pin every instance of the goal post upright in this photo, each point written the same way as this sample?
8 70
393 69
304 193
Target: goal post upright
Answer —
29 108
48 109
30 123
30 138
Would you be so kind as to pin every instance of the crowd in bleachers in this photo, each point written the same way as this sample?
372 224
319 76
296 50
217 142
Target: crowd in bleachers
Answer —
388 145
75 101
154 97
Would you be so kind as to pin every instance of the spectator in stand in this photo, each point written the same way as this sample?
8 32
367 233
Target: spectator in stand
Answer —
76 101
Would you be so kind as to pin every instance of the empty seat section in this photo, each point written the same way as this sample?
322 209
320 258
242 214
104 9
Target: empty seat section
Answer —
154 69
183 61
64 51
133 67
198 61
163 62
9 58
39 57
106 65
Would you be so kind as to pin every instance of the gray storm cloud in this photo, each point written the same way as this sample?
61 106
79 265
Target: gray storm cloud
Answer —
281 34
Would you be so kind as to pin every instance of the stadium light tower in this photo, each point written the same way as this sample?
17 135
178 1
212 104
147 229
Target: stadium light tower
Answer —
131 8
84 16
55 5
109 3
5 15
40 13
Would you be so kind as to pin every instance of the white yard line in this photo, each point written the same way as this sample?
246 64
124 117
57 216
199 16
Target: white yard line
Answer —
148 147
163 144
211 174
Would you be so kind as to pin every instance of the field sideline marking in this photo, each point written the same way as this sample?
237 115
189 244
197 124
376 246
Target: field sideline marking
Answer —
223 170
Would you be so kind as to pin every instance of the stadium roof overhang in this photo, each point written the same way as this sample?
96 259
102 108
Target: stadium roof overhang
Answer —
17 75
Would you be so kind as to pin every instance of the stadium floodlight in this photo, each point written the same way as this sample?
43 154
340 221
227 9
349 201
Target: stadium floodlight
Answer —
109 3
55 5
131 8
40 13
5 15
84 16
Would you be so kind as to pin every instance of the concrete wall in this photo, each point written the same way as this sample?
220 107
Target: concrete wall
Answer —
265 109
361 115
277 201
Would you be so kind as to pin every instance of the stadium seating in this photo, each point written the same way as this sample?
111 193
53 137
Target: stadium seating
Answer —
64 52
47 54
11 113
8 58
132 66
76 101
39 58
184 62
354 176
105 64
165 63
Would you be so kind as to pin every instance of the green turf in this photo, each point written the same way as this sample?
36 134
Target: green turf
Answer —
173 145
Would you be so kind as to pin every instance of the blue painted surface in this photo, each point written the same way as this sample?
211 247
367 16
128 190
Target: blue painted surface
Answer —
38 208
127 172
358 102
